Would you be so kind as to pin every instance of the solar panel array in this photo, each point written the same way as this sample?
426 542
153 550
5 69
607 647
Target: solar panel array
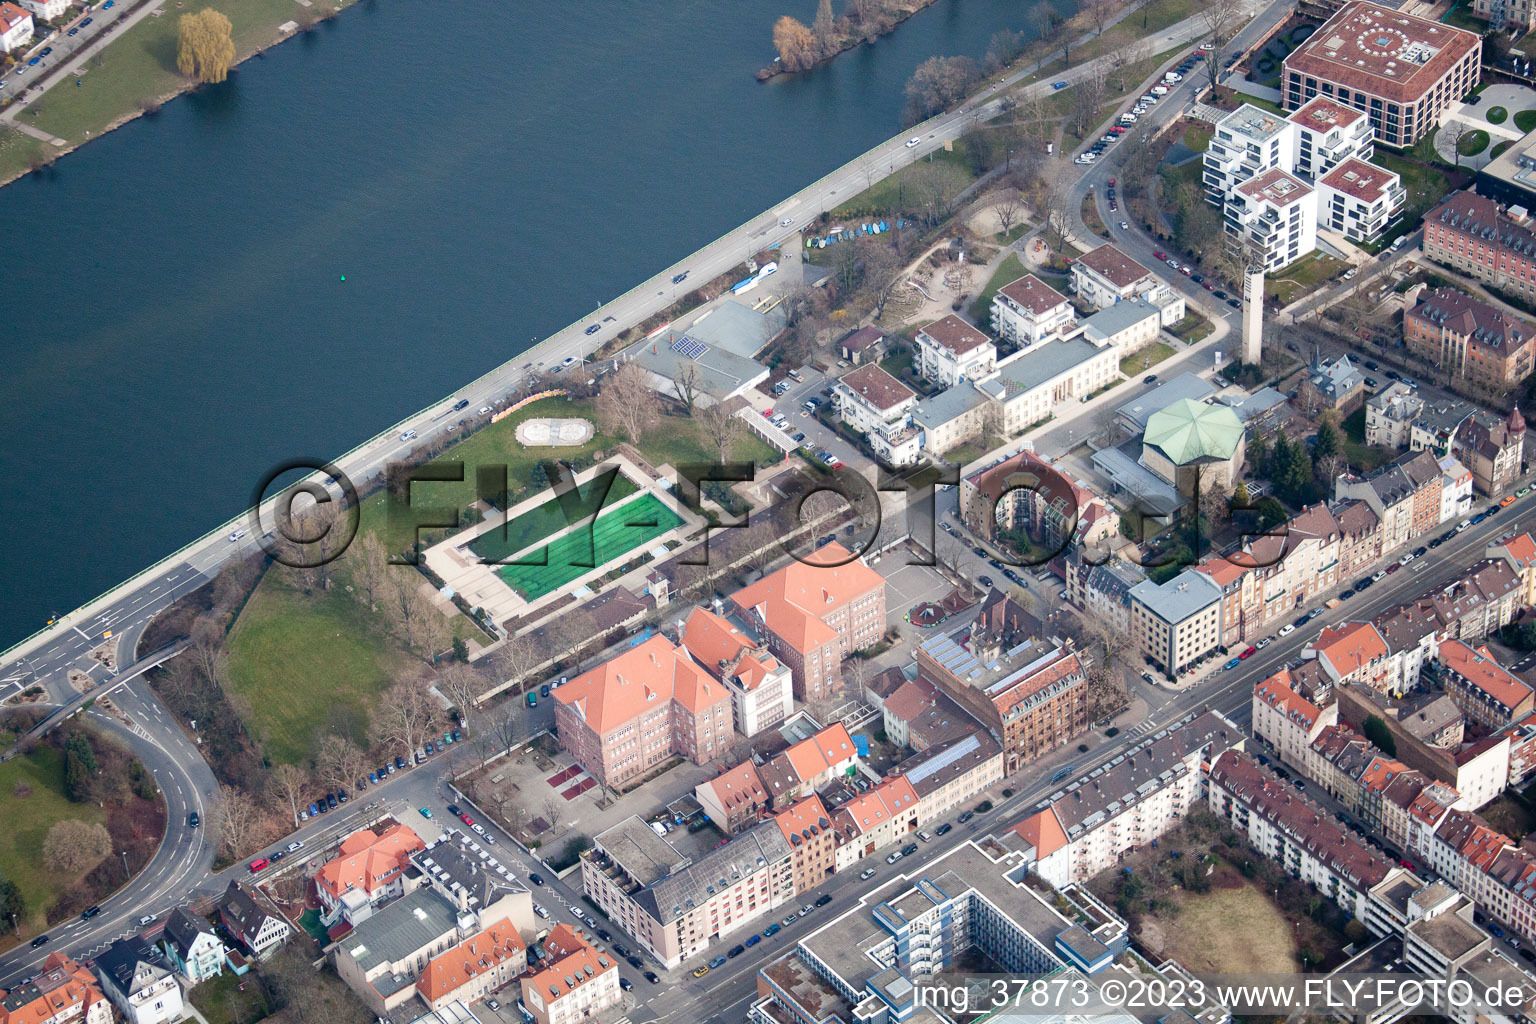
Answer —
688 348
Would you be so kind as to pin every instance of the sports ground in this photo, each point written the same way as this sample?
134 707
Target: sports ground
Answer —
612 535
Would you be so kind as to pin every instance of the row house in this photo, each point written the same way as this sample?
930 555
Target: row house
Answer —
474 968
1271 575
61 992
1519 553
1178 622
1359 536
1287 721
1486 692
950 351
639 709
1288 828
816 615
577 983
808 829
955 773
734 799
1354 653
1335 760
1102 592
1493 449
1412 635
807 766
1095 820
1404 494
885 815
1481 603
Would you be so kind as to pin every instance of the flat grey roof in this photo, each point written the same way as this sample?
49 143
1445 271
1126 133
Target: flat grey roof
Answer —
1185 385
723 373
644 856
1154 494
949 404
399 930
1037 366
1184 595
1126 313
738 329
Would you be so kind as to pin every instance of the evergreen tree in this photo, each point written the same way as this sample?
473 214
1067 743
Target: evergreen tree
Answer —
1327 441
79 767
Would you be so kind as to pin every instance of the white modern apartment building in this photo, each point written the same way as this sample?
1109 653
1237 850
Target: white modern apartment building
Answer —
1028 312
1277 213
1246 143
951 350
1106 276
878 405
1029 385
1329 133
1359 200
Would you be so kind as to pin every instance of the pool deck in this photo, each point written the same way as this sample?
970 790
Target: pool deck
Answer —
482 587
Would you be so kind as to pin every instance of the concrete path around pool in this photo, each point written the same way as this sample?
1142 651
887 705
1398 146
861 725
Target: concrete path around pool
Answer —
482 587
1513 98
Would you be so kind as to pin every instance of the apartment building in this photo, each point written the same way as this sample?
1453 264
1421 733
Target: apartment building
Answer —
954 773
258 930
140 981
951 417
733 799
1106 276
1329 134
645 705
1359 200
1485 691
951 350
1028 312
192 946
1404 494
1285 826
1359 536
760 685
808 765
1028 386
1389 415
675 906
369 863
1331 384
1353 653
61 992
1025 493
879 406
16 28
1400 70
1246 143
1519 553
1177 622
1286 720
815 615
887 814
474 968
1493 450
1097 818
808 829
1470 338
577 981
1485 241
1276 214
1269 576
1031 694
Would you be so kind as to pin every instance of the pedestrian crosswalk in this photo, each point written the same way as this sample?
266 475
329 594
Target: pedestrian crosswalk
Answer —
1142 728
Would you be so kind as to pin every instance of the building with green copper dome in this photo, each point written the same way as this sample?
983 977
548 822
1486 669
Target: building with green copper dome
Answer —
1191 440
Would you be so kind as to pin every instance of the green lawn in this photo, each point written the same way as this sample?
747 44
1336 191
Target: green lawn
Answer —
1525 120
1269 105
884 196
1090 212
310 665
542 520
17 151
613 535
1288 282
1500 148
1192 328
221 1000
1140 362
897 363
1496 115
673 441
40 775
1011 269
1362 457
1197 136
1157 15
1472 143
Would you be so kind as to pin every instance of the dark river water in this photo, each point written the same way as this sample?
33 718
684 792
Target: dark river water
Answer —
174 323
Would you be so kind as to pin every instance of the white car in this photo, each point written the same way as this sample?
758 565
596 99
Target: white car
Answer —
295 846
146 919
568 361
483 410
1405 559
479 828
234 538
1463 525
1124 226
408 435
786 222
1264 642
914 140
540 911
866 874
1288 629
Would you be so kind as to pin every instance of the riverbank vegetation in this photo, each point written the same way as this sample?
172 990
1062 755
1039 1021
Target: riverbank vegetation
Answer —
205 47
801 47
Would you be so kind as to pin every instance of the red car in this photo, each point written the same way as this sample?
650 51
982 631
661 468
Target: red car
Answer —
466 819
258 864
839 465
1250 652
1112 180
1208 286
1393 568
1159 254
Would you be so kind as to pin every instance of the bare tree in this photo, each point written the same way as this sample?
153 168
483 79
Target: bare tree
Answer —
1220 19
1123 62
289 784
720 429
689 380
369 563
628 404
1453 133
71 846
236 818
436 629
571 632
1057 208
339 762
405 715
1099 12
1007 209
553 810
517 658
462 686
505 724
882 270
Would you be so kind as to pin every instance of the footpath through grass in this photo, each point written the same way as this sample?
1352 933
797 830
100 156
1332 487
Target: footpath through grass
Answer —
34 802
310 665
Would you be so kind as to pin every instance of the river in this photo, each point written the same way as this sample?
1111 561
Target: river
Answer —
174 319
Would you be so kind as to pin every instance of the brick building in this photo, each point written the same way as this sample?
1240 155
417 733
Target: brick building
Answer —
1480 238
807 827
1470 338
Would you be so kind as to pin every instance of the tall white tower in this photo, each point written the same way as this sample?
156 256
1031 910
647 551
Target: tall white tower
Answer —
1253 315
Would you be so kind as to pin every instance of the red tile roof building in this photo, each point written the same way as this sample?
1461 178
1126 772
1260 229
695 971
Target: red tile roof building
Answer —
577 982
1402 71
63 992
1352 653
815 615
1286 720
1477 236
633 712
733 799
884 816
808 765
1486 692
474 968
1470 338
760 685
370 862
807 827
16 27
1519 553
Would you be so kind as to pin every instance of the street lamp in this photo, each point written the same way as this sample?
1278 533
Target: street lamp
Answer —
125 864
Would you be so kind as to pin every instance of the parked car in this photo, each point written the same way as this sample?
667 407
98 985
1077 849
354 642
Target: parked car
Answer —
652 977
824 900
736 951
259 864
866 874
771 931
944 829
535 879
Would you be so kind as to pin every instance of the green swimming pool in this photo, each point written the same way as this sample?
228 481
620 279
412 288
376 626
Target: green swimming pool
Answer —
612 536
